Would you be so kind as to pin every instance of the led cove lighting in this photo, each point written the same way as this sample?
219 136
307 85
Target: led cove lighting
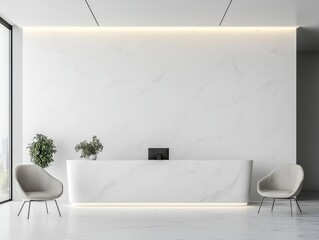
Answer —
173 29
160 205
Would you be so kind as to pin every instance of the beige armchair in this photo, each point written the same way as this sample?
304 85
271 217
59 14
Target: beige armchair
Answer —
284 182
36 185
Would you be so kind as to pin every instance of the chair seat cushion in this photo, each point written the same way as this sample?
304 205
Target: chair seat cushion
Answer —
276 193
44 195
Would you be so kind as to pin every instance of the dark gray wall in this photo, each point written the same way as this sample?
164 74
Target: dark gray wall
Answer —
308 39
308 118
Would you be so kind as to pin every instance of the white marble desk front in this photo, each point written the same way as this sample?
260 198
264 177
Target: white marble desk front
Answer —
167 181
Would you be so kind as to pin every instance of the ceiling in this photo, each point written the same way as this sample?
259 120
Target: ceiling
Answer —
168 13
43 13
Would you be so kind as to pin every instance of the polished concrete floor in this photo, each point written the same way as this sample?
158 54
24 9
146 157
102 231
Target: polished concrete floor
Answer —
160 223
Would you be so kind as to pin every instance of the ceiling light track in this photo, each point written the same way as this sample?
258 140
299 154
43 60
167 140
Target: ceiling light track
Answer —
221 21
92 13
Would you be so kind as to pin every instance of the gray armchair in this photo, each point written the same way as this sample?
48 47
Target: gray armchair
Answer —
284 182
36 185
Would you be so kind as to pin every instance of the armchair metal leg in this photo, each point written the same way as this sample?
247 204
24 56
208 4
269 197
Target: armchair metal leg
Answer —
29 208
273 203
21 208
46 206
290 207
261 204
298 205
57 206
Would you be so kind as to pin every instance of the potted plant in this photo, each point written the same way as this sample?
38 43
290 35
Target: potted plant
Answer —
41 150
89 150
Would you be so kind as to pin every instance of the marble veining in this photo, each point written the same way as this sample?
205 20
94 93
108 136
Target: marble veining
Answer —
173 181
205 94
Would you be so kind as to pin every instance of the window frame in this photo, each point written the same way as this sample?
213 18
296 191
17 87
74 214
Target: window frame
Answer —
9 27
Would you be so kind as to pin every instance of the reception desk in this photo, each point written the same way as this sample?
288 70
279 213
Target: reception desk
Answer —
159 182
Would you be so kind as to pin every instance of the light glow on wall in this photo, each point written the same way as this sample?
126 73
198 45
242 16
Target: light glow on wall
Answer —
159 29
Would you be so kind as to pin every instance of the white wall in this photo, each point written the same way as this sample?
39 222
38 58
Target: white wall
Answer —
205 94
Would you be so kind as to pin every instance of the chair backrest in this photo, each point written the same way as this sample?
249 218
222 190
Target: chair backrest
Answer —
32 178
287 177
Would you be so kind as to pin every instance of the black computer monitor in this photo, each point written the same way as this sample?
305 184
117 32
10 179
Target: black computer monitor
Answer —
158 154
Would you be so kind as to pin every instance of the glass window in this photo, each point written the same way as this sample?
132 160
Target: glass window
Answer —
5 112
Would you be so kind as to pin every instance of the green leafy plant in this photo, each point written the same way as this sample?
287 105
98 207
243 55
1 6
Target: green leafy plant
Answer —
89 148
41 150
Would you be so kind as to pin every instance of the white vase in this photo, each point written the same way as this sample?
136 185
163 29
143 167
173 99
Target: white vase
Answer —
93 157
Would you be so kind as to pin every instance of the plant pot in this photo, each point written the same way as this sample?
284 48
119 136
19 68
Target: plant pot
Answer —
93 157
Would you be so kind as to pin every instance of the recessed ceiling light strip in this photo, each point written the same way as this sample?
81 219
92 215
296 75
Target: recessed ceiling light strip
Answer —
225 12
92 13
